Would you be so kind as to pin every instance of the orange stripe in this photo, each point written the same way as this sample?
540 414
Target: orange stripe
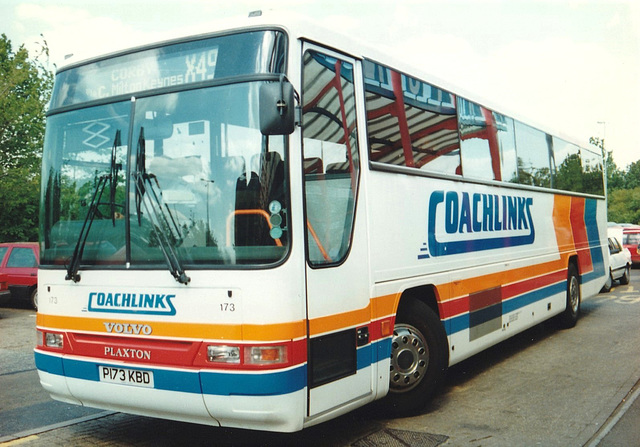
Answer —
466 286
336 322
258 332
384 306
562 223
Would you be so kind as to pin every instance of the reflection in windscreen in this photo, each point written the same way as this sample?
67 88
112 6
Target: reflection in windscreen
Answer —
215 184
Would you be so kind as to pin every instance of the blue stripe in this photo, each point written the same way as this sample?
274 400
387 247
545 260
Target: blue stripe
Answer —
383 349
593 236
210 382
49 363
259 384
457 324
462 322
480 316
364 356
198 382
534 296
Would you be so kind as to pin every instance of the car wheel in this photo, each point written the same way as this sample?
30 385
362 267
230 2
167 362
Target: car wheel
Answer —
34 299
626 277
419 358
569 317
607 285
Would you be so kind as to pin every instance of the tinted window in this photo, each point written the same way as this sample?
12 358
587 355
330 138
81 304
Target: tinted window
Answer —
631 238
568 165
507 142
22 257
479 147
410 122
592 173
533 151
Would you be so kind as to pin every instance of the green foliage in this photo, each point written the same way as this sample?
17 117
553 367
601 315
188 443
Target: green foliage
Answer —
25 87
632 177
624 206
19 194
623 189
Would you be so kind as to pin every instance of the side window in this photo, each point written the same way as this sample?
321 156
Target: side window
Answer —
568 164
534 152
617 246
613 248
331 161
507 142
3 252
592 173
22 257
410 122
479 147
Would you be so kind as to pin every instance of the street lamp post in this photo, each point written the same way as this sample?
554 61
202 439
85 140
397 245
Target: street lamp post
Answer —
207 236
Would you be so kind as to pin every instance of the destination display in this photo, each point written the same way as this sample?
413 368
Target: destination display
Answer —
167 66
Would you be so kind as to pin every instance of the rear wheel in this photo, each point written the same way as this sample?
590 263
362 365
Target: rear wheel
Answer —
569 317
419 358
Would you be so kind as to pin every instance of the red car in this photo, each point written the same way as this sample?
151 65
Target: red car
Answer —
631 240
19 270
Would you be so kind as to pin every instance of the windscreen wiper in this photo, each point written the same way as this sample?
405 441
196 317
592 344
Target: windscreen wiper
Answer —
165 228
112 179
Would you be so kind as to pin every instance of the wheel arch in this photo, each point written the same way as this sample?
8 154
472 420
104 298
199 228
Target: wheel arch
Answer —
427 294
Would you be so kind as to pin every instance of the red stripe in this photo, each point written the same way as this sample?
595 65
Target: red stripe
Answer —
186 354
484 298
478 300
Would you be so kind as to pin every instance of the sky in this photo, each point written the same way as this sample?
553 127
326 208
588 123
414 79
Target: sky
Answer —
569 66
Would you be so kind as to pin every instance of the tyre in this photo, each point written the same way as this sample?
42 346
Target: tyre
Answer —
607 285
419 358
626 277
569 317
33 299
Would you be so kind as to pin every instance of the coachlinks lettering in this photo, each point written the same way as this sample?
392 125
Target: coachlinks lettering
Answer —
136 303
463 222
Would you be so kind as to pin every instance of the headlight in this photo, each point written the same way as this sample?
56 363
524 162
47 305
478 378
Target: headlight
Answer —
223 354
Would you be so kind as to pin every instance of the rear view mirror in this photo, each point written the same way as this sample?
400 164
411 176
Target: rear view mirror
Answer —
277 108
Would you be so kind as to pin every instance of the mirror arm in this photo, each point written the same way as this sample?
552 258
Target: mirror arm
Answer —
281 105
298 116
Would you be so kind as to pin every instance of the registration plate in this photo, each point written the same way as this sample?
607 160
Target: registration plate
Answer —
125 376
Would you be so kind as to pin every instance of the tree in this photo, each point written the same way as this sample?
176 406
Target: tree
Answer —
624 206
632 177
25 87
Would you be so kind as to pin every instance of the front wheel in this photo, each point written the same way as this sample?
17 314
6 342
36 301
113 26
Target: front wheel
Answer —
419 358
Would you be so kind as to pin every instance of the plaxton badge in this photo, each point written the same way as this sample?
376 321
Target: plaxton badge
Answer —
131 303
462 222
127 353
